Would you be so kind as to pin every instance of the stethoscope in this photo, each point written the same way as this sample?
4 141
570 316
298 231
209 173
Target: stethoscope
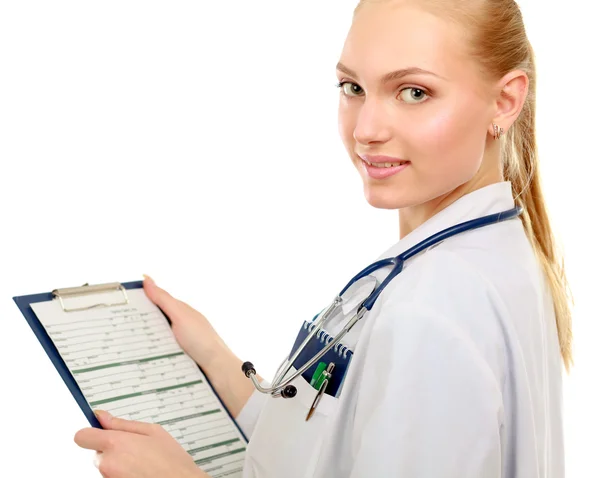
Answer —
282 387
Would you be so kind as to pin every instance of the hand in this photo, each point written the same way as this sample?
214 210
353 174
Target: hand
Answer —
192 330
201 342
130 449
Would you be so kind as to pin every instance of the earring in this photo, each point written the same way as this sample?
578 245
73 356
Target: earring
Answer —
497 131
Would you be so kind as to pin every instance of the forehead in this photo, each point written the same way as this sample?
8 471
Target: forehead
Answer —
388 36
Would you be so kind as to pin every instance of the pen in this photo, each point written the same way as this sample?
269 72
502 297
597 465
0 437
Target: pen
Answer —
321 383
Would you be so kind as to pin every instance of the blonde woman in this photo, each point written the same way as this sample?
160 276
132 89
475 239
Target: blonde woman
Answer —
455 370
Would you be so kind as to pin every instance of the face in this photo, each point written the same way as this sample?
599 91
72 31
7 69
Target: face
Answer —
431 126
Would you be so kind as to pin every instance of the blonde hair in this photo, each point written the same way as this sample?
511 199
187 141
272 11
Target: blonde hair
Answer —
499 42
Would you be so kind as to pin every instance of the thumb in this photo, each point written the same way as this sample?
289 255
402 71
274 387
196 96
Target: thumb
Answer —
109 422
104 418
161 297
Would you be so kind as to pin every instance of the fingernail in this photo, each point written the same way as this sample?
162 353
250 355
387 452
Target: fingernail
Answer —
102 414
148 278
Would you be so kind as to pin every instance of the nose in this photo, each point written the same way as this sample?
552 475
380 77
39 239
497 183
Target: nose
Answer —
372 123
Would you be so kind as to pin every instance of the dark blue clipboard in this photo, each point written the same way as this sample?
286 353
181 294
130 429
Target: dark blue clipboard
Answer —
24 303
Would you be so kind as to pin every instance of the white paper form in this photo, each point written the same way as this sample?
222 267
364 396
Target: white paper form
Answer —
127 361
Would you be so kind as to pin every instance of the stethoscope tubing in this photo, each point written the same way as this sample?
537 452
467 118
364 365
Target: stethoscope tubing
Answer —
280 383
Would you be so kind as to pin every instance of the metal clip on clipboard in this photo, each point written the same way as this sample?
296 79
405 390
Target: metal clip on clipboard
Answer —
87 289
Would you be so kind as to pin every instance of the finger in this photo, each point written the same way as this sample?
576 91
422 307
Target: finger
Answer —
94 439
161 297
120 424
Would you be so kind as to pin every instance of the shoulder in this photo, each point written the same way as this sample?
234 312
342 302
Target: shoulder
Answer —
442 307
426 374
477 291
469 278
445 282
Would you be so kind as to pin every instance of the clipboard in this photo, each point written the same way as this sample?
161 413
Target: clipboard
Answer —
24 303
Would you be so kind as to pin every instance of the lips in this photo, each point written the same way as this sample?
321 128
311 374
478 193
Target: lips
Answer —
381 167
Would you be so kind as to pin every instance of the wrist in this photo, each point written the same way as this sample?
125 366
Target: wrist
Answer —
224 370
197 473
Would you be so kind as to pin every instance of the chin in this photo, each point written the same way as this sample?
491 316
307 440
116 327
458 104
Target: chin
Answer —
387 194
384 198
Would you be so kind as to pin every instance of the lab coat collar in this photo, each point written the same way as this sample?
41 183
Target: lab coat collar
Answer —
489 199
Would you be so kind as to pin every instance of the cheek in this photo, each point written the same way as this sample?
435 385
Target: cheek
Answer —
449 139
438 133
346 128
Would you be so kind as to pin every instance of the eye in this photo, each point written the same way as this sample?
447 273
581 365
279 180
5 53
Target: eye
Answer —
349 89
414 96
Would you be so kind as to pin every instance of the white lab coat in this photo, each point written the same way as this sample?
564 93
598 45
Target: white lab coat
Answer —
456 370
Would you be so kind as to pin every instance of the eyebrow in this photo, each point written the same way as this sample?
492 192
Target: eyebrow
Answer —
394 75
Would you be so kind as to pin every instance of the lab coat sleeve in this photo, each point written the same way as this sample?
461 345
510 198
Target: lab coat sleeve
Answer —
430 405
248 416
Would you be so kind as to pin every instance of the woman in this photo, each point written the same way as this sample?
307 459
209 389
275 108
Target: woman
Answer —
456 370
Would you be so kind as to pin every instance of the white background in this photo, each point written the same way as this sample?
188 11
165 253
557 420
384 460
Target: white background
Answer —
197 142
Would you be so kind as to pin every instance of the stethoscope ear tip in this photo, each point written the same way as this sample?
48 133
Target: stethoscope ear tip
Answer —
248 369
289 392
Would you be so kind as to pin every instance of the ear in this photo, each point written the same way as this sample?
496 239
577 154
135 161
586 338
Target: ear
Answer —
512 88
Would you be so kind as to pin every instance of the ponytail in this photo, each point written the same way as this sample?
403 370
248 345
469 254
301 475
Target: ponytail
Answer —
520 164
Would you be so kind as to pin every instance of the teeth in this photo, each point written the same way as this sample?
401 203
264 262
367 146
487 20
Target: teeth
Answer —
384 165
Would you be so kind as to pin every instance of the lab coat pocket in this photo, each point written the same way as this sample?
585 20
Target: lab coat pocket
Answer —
284 443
